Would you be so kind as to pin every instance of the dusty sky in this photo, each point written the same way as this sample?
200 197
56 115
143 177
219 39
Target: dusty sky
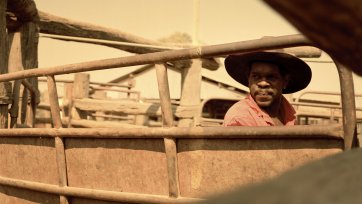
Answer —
219 21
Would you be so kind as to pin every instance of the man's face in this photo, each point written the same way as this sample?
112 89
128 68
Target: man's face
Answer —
266 83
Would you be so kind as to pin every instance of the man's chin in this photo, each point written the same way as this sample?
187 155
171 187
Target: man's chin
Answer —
263 104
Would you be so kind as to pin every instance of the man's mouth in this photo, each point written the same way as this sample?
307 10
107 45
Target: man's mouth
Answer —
263 96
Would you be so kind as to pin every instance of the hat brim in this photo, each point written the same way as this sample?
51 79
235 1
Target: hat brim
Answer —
237 66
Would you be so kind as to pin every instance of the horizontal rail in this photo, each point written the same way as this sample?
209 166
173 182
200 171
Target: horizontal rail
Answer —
99 124
112 89
108 42
285 132
323 93
90 123
137 93
93 193
30 87
120 106
163 57
110 116
320 105
46 106
94 83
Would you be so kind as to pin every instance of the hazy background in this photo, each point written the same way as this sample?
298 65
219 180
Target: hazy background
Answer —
217 22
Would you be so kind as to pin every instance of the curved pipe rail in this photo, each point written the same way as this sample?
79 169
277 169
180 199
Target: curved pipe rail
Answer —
348 106
286 132
163 57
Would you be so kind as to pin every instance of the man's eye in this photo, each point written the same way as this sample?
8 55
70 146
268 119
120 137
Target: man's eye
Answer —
272 78
254 76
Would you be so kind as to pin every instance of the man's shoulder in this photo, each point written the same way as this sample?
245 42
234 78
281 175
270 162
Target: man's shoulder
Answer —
243 104
238 109
239 114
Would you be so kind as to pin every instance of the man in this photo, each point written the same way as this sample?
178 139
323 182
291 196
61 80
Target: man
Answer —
268 75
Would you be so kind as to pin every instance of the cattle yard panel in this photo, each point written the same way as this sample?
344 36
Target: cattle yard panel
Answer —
156 165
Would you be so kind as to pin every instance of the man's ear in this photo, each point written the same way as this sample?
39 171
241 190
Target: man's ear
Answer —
286 81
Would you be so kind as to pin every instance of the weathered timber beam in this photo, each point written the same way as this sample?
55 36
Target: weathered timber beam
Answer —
106 195
102 124
285 132
166 56
133 73
335 27
304 51
91 124
143 69
133 108
127 107
24 10
52 24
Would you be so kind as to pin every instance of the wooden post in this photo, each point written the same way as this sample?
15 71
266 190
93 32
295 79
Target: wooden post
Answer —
14 110
59 144
167 118
24 105
29 44
5 100
67 98
141 120
3 38
5 87
99 95
190 94
348 106
68 102
80 90
32 105
15 64
46 113
23 54
131 84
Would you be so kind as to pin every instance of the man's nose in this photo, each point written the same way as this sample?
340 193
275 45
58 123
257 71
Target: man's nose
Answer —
263 83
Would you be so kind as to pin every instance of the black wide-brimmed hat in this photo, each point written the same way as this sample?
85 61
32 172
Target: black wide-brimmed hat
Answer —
237 66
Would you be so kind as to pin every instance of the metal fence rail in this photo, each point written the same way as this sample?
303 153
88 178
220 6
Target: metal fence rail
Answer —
168 133
163 57
315 131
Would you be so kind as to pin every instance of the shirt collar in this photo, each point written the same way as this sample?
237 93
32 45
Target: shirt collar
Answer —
289 112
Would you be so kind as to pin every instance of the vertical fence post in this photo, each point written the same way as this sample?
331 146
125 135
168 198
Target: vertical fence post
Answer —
24 105
29 49
167 117
59 144
23 54
80 90
5 87
99 94
68 102
33 104
14 110
5 100
190 94
15 64
348 106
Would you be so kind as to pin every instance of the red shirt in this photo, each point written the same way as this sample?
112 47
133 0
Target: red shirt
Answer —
247 113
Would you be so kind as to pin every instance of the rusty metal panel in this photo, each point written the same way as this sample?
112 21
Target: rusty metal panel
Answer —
128 165
89 201
10 195
208 166
31 159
